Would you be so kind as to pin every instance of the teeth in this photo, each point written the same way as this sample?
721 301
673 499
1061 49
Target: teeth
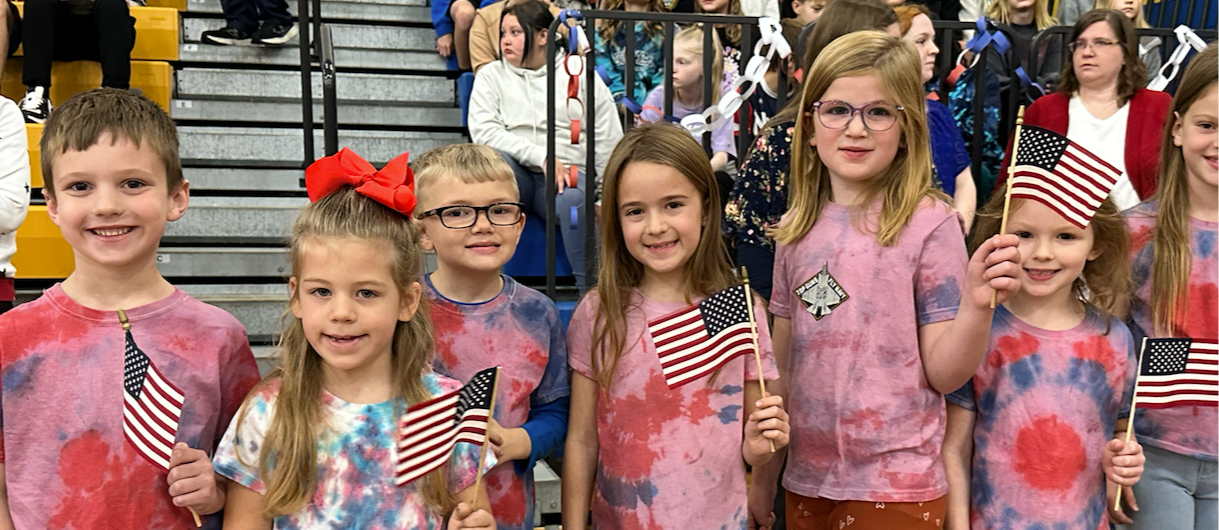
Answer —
111 232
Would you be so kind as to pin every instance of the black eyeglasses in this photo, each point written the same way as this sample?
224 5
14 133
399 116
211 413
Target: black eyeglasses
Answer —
499 214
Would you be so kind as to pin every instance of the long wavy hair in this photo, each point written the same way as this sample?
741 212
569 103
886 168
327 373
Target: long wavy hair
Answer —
906 182
1173 256
706 272
1133 75
1001 11
288 459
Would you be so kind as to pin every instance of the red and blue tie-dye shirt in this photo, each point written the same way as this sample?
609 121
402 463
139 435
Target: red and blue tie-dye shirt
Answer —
1045 404
1189 431
865 424
669 459
67 464
519 330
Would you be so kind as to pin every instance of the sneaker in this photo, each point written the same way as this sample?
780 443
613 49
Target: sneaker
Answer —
226 37
272 34
36 106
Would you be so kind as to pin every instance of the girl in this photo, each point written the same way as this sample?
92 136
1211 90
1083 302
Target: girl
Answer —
872 297
660 458
1149 51
1175 271
1054 385
1022 20
313 445
730 36
649 58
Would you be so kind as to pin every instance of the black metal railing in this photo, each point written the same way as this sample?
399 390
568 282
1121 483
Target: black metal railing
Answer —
321 51
1168 39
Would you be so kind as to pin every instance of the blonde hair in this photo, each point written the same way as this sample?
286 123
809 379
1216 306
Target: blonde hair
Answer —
468 163
691 37
906 182
706 272
733 30
1139 21
1001 11
291 439
1173 256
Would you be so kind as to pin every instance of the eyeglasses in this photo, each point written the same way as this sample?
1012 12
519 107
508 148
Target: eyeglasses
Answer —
838 114
1096 44
498 214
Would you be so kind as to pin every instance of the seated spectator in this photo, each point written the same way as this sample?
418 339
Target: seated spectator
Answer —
453 20
253 22
1149 46
1021 21
90 30
1102 105
14 194
484 33
10 32
649 66
729 35
950 160
765 99
508 113
808 11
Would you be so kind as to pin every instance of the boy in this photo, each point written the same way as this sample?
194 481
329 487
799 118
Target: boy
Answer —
471 217
113 179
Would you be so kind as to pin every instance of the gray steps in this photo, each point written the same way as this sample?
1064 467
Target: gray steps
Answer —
233 179
290 56
222 262
378 89
414 11
343 35
239 146
257 306
243 219
349 116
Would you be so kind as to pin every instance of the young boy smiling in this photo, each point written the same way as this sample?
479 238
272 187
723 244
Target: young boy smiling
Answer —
113 181
471 217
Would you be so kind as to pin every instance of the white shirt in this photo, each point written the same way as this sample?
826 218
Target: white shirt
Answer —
1106 139
14 181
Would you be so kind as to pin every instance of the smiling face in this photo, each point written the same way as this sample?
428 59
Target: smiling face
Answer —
854 154
1197 134
111 201
922 35
1053 251
1097 66
477 250
349 306
661 214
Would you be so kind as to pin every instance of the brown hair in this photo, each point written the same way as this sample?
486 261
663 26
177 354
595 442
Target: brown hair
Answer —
610 26
80 122
907 12
291 439
733 30
1173 256
1133 75
706 272
468 163
790 28
1106 281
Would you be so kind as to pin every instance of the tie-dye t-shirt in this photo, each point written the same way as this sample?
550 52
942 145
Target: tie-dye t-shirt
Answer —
1045 403
667 457
1185 430
355 464
865 424
519 330
67 464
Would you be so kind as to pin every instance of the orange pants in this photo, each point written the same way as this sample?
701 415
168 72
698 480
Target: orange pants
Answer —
805 513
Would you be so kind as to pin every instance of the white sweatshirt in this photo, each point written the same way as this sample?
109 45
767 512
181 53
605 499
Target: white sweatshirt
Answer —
508 112
14 181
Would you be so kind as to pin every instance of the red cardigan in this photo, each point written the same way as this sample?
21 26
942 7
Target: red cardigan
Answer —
1144 132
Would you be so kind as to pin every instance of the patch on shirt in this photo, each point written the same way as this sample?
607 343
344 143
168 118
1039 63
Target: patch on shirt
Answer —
821 293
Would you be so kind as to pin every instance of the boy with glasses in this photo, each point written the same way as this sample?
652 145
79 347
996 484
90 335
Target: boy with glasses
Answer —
472 218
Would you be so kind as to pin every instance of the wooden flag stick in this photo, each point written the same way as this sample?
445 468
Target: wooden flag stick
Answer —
753 330
482 453
1007 197
1134 399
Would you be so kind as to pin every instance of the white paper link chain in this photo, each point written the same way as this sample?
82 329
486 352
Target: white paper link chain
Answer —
755 72
1186 39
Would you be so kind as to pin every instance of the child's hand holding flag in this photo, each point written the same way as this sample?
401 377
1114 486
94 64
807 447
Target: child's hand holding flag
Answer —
192 481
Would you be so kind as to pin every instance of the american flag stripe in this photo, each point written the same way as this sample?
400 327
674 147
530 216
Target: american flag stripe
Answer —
1055 171
724 344
1034 190
1197 385
152 406
1080 191
700 339
429 431
154 454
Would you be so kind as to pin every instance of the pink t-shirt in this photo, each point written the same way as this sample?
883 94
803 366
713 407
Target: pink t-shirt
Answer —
865 423
1190 431
67 463
667 457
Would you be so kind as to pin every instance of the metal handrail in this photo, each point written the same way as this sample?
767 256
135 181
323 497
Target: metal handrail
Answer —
320 49
330 126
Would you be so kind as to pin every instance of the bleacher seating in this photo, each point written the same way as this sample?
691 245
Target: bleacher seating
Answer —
156 33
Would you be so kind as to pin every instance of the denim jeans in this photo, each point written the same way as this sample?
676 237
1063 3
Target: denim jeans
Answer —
1176 492
569 208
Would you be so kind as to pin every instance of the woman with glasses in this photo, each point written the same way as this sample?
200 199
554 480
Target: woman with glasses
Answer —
1102 104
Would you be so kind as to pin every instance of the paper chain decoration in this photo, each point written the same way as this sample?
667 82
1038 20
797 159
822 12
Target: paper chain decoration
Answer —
755 72
1186 39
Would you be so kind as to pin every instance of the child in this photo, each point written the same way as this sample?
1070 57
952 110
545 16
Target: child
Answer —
808 11
485 36
765 100
1175 271
649 69
1026 438
484 318
660 457
313 445
1149 46
14 193
253 22
113 180
1022 20
729 35
874 295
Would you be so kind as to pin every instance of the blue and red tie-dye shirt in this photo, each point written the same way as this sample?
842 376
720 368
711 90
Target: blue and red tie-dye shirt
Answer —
1185 430
1045 404
669 459
519 330
67 464
865 424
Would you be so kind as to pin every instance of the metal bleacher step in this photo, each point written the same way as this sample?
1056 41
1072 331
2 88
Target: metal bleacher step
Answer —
290 112
244 179
249 220
281 147
290 56
258 306
223 262
411 12
345 36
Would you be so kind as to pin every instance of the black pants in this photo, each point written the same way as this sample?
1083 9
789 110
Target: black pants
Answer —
51 32
245 15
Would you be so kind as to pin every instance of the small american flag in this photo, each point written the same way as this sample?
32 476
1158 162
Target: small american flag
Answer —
1179 373
151 405
1059 173
429 430
699 339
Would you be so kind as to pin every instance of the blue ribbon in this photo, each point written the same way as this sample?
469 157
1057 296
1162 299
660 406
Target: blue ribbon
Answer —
573 43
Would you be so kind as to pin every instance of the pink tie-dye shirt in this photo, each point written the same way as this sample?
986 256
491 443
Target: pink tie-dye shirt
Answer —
67 464
1046 403
865 424
669 459
1190 431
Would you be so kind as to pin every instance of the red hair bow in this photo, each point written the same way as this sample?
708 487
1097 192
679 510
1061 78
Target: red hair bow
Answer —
393 185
